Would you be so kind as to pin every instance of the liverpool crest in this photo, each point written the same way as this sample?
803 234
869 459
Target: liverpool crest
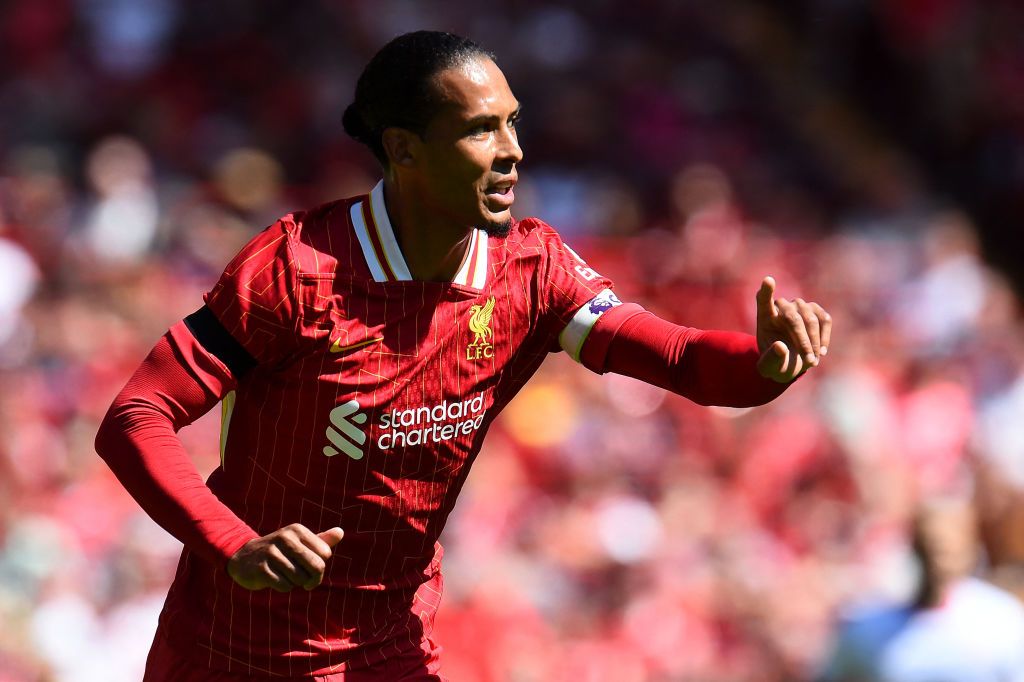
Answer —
480 325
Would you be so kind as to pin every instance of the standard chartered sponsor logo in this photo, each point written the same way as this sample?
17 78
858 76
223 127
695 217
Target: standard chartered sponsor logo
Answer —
400 428
443 421
344 435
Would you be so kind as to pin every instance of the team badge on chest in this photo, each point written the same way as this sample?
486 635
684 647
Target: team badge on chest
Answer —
480 325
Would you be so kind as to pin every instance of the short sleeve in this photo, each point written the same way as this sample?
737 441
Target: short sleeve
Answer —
574 295
255 299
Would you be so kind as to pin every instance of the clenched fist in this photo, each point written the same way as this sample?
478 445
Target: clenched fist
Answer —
293 556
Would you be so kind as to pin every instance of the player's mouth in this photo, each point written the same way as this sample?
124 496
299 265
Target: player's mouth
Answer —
500 195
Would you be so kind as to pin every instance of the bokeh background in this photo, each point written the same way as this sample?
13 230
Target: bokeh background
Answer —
869 154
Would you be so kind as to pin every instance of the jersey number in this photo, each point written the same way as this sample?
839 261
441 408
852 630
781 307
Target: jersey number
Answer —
585 272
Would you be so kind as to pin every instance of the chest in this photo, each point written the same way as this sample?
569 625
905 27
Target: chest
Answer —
420 340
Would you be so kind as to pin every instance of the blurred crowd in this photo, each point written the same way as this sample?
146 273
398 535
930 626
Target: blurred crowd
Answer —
608 531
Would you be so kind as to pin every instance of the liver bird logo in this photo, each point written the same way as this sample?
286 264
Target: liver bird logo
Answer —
480 322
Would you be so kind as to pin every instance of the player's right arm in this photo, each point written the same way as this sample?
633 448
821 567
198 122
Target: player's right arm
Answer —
196 363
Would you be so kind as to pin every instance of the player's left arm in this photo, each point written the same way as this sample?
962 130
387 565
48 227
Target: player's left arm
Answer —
710 367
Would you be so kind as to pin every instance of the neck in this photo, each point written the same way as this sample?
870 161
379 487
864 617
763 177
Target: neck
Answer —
433 247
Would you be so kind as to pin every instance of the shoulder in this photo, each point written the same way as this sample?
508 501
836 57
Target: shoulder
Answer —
315 225
319 238
533 231
313 221
532 237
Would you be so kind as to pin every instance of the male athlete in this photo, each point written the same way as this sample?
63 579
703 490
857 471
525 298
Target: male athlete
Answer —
361 350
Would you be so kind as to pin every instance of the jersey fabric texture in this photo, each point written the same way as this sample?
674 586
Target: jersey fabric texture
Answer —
165 664
367 399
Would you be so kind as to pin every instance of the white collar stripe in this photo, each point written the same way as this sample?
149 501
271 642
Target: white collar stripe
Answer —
480 274
462 276
472 272
359 225
382 223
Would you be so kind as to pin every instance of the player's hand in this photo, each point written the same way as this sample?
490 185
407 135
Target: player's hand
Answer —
791 335
293 556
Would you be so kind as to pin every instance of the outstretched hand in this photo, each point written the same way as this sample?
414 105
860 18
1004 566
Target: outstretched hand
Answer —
791 335
293 556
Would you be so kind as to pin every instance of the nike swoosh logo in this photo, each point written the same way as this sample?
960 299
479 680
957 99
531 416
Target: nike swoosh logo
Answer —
336 347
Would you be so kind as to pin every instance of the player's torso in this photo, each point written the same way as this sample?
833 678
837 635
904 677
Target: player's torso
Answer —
372 422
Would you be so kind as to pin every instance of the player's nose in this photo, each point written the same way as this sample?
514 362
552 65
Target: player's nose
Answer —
509 149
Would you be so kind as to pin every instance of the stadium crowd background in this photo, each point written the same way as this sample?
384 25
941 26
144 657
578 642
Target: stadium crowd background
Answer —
608 531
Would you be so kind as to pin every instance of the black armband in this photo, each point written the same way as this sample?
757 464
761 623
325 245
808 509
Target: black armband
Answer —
218 342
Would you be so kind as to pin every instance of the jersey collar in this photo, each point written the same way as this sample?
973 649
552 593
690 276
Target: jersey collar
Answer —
380 248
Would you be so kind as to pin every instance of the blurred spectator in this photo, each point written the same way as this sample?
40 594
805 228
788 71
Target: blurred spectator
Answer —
19 282
956 628
121 224
128 37
943 305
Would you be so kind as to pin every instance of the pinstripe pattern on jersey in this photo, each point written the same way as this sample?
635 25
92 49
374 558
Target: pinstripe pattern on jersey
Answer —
383 586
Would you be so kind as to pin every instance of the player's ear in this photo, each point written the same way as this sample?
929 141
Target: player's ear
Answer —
401 146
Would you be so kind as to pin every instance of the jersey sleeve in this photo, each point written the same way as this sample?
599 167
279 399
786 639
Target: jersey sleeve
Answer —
176 384
573 294
255 299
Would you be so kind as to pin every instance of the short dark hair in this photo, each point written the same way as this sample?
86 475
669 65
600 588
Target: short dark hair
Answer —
395 88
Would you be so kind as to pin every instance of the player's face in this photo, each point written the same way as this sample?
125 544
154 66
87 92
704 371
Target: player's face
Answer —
470 148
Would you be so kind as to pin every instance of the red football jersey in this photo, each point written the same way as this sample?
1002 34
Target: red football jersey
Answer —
370 399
